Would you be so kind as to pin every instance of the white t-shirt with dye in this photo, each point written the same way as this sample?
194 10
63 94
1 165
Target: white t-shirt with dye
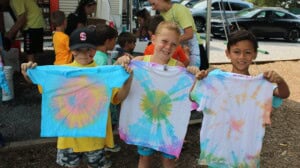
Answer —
234 108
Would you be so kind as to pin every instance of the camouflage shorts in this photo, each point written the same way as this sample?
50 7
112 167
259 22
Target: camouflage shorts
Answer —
68 158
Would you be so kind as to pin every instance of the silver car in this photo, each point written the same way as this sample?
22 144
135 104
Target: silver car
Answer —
228 8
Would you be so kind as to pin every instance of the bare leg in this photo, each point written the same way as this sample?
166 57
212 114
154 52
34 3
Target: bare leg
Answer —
168 163
144 162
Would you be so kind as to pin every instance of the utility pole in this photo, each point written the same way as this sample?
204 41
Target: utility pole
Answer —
208 27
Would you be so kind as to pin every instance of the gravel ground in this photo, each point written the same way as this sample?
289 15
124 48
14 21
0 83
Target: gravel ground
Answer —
20 120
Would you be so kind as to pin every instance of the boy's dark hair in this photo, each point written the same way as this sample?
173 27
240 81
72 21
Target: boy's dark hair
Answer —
104 32
154 22
57 18
241 35
126 37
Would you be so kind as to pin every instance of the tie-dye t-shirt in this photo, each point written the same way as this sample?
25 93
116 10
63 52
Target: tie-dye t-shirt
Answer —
234 107
156 112
3 83
75 100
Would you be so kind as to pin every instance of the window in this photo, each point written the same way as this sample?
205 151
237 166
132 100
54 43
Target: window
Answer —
261 15
215 6
238 6
229 6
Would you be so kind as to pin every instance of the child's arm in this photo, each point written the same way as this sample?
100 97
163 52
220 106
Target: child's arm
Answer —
282 89
24 67
123 92
125 59
199 74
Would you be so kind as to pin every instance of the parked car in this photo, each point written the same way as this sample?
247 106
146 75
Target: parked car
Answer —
228 7
189 3
267 22
184 2
175 1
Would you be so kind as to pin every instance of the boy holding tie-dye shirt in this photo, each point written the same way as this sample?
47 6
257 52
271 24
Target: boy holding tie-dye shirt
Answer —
236 106
70 149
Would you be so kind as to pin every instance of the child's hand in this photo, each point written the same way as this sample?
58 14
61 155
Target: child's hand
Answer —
273 77
282 89
28 65
198 74
125 59
127 69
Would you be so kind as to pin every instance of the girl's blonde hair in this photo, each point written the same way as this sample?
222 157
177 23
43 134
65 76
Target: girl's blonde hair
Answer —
167 25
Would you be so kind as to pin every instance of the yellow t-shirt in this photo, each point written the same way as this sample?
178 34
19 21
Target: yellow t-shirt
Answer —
172 61
35 18
88 144
183 17
63 54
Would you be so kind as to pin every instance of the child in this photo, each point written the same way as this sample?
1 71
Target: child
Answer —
71 150
236 106
60 40
180 54
105 40
166 39
126 41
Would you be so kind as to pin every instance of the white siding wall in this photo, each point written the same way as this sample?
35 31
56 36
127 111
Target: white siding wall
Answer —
68 6
116 12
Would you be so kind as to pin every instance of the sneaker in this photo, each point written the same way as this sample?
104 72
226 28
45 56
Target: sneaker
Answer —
106 164
116 148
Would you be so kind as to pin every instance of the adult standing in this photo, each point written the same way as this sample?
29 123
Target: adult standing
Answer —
183 17
30 20
78 19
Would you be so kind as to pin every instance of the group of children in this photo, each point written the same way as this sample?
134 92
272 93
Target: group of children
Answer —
88 48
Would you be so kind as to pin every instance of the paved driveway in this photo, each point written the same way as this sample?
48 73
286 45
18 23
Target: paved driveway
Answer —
277 49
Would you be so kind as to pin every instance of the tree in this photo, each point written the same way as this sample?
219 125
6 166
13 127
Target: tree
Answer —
278 3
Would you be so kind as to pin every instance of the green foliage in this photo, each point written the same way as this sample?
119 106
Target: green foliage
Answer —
277 3
262 3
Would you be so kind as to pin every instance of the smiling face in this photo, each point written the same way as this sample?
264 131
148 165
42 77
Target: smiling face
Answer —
241 55
165 43
84 56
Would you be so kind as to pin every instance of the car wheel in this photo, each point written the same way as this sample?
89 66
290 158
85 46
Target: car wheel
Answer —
200 24
293 35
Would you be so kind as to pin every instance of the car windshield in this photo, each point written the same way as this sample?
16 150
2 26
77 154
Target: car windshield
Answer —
247 12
